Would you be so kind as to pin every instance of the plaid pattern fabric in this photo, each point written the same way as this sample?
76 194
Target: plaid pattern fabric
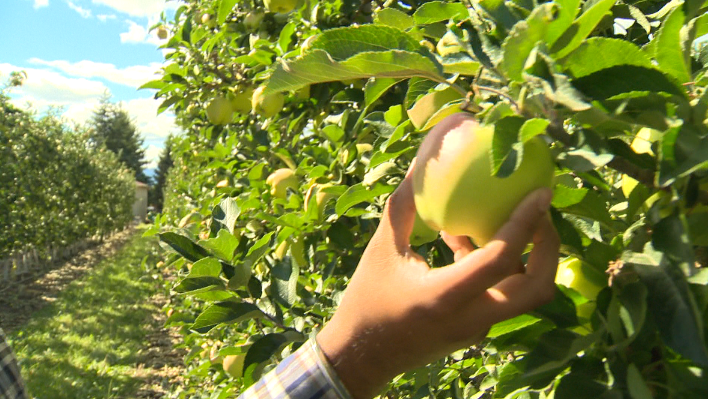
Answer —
305 374
11 384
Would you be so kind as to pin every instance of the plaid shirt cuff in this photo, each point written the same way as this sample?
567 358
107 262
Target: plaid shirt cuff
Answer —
306 374
11 384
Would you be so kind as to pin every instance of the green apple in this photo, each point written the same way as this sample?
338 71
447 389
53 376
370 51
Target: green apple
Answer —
453 187
233 365
575 274
214 357
162 33
267 106
448 45
421 233
280 180
252 20
241 100
206 18
219 111
320 198
281 6
641 145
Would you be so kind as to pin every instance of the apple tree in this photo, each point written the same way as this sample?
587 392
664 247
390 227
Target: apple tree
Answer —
340 95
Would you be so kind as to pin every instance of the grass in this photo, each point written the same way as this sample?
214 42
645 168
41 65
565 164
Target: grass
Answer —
87 344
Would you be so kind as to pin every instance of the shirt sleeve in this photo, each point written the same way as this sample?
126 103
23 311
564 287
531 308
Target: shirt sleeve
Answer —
306 374
11 384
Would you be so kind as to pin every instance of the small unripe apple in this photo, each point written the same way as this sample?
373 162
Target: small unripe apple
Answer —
281 6
453 187
253 19
206 18
219 111
162 33
448 45
214 357
241 100
233 365
267 106
321 198
280 180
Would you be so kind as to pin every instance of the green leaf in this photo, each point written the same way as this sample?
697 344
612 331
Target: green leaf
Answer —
613 81
555 349
259 247
437 11
184 246
567 10
460 63
224 215
318 67
196 285
225 7
579 386
223 245
205 267
358 193
671 305
507 152
668 51
512 325
394 18
344 43
426 106
683 151
638 388
670 236
154 84
375 88
523 39
263 350
599 53
227 312
580 29
532 128
284 282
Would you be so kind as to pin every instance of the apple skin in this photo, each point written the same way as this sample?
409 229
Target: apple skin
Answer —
162 33
452 183
233 365
280 6
267 106
241 100
219 111
448 45
421 233
280 180
253 20
573 273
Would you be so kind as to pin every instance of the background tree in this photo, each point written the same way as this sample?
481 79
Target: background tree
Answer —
163 167
112 127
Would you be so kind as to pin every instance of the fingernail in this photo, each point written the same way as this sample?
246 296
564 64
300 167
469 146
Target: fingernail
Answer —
544 199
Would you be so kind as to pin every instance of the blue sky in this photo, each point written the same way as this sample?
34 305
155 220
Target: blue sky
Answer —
74 51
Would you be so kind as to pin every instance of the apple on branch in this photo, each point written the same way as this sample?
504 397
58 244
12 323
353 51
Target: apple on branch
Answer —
453 185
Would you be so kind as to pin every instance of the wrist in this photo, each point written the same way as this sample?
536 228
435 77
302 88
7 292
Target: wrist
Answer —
356 366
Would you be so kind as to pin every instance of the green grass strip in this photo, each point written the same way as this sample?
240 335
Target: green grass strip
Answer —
87 344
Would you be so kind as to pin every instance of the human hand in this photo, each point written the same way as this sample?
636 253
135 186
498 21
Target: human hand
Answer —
398 314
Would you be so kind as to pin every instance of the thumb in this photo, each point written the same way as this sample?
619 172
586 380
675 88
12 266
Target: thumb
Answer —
398 216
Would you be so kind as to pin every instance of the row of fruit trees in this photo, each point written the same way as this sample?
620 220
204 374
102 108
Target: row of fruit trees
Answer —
301 117
56 190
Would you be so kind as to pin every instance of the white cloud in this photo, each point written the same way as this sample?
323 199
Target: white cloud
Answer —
78 97
132 76
85 13
105 17
138 8
45 86
152 155
40 3
140 34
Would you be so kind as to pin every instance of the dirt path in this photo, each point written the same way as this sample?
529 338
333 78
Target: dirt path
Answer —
159 365
19 299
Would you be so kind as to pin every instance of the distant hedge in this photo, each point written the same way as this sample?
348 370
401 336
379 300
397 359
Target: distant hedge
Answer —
56 188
